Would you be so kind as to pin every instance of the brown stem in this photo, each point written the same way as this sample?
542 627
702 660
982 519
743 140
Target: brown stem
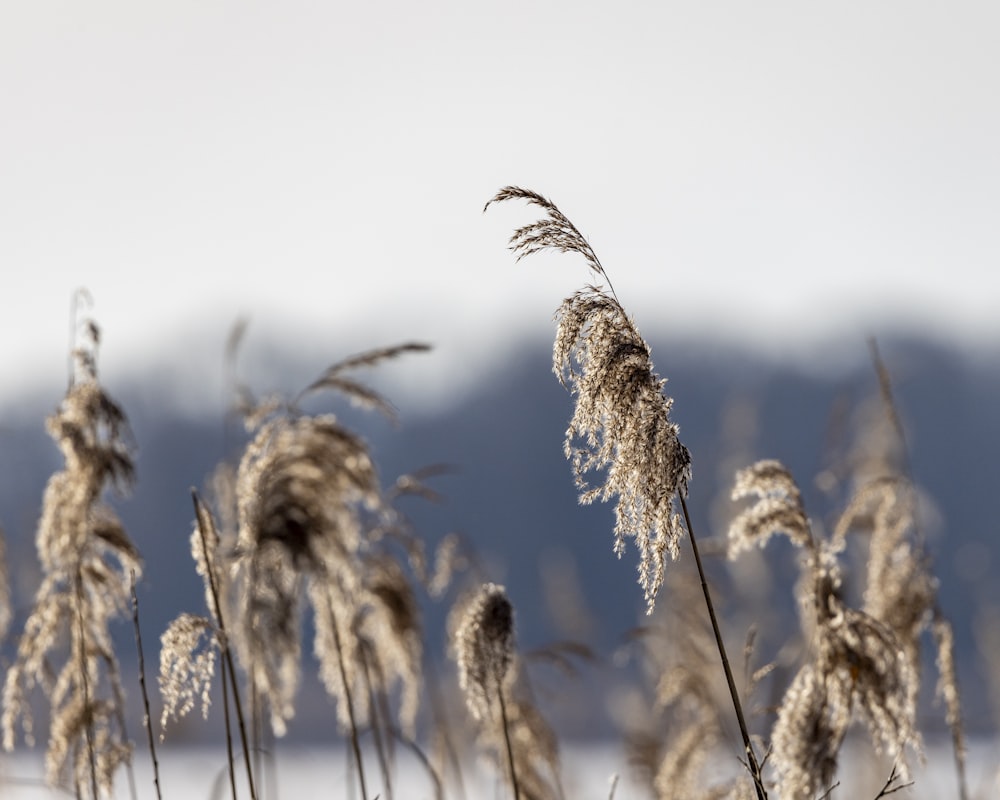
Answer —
506 736
422 757
744 732
230 758
87 702
202 516
355 744
376 720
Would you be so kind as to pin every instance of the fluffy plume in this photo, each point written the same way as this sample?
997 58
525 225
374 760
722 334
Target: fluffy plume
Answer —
858 669
900 590
190 647
310 515
188 651
778 508
388 630
621 425
484 648
87 561
510 725
858 666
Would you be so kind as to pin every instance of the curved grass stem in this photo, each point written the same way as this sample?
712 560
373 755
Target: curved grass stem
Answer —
738 707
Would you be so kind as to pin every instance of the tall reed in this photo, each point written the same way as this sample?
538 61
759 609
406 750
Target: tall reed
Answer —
857 666
311 513
87 561
509 724
621 423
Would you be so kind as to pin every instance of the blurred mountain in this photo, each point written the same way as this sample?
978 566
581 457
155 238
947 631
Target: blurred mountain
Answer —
510 493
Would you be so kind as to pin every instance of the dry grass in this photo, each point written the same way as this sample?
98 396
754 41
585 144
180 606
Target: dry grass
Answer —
301 533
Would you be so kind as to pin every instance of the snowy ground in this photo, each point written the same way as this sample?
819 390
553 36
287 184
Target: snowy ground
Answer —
589 773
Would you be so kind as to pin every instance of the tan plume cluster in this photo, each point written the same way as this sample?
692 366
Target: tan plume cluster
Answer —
621 425
857 667
191 644
88 562
900 589
510 725
777 508
188 652
484 649
309 499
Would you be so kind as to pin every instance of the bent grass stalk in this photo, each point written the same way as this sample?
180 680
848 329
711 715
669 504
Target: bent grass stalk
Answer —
201 514
940 626
348 702
147 716
621 423
752 763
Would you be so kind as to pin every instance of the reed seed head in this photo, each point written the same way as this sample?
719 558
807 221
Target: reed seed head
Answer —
484 647
188 651
87 563
621 425
778 508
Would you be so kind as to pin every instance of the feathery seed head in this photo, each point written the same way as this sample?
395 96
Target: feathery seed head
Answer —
188 650
621 424
298 487
778 508
484 648
87 560
806 739
389 623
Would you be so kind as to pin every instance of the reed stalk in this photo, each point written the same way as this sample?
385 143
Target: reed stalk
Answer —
147 717
229 666
752 763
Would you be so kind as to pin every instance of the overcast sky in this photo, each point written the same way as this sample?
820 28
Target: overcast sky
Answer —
770 173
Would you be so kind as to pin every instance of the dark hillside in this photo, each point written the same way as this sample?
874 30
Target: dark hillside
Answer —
511 493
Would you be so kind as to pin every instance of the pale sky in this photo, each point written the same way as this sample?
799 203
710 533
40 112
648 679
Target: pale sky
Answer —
774 174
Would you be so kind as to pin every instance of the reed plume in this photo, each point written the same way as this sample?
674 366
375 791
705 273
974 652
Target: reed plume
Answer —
312 519
900 587
484 649
509 724
621 423
191 644
87 561
912 552
857 666
188 653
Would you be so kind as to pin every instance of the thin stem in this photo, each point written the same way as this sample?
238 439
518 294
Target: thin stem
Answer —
147 718
422 757
355 745
202 516
230 758
744 732
376 723
84 678
506 736
888 788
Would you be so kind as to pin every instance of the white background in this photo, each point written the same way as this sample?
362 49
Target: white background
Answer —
777 174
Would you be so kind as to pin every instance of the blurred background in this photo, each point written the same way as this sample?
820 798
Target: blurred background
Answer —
767 186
